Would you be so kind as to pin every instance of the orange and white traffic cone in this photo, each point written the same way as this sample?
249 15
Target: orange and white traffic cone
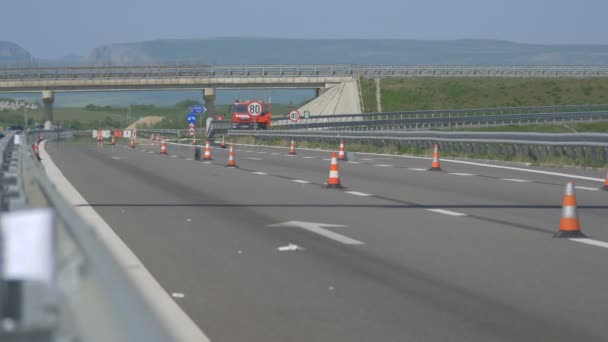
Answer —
163 147
292 149
606 182
334 173
341 153
36 150
223 143
113 141
436 165
207 155
569 225
231 160
132 145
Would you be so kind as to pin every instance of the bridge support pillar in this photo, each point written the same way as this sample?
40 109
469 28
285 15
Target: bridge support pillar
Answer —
48 97
320 91
209 98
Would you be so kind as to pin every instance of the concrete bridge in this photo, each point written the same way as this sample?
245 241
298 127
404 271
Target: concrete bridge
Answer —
210 78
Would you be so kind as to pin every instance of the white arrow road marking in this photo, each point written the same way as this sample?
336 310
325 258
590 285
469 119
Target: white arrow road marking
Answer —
317 228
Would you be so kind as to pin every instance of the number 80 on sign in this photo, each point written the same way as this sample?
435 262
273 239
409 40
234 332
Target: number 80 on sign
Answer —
255 108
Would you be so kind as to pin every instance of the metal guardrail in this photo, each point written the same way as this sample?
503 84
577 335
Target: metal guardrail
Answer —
93 298
442 122
538 146
365 71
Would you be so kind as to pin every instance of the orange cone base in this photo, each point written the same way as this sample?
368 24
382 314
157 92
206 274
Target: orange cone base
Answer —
207 158
333 186
230 165
435 169
570 234
165 153
292 153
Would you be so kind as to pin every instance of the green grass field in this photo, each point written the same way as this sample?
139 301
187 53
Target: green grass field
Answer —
403 94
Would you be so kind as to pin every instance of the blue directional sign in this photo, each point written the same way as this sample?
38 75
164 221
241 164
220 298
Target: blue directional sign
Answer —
191 118
198 109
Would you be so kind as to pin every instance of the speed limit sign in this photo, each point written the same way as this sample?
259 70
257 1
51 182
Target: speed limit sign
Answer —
294 116
255 108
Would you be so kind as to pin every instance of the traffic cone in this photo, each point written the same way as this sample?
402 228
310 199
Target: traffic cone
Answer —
113 141
231 160
223 143
207 155
36 150
606 182
569 225
292 148
334 175
132 145
436 165
341 153
163 147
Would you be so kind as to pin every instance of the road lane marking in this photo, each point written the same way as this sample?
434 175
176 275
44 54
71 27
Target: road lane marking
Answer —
300 181
317 228
327 159
253 158
262 152
260 173
189 159
586 188
416 169
308 157
353 162
275 153
173 156
357 193
461 174
447 212
516 180
383 165
591 242
177 295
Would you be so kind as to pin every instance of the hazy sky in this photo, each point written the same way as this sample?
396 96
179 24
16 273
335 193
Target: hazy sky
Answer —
59 27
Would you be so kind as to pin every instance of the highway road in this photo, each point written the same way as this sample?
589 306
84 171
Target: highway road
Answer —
400 254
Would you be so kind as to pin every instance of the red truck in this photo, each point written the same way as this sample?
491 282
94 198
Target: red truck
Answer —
242 120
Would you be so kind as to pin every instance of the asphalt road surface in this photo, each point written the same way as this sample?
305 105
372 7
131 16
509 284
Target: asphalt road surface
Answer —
404 254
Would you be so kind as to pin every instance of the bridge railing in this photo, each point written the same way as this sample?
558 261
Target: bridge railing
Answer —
88 296
365 71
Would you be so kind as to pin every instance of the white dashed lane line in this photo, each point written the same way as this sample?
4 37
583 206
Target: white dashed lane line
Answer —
461 174
300 181
189 159
591 242
174 156
586 188
275 153
357 193
447 212
516 180
353 162
415 169
260 173
308 157
383 165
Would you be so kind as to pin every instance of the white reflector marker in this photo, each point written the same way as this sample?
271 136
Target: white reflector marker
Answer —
27 250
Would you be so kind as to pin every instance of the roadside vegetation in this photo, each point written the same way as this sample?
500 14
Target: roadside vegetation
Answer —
403 94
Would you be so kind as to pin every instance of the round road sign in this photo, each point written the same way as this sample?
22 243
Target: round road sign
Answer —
255 108
294 116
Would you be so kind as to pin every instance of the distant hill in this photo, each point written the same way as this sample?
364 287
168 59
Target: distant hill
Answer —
12 54
344 51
